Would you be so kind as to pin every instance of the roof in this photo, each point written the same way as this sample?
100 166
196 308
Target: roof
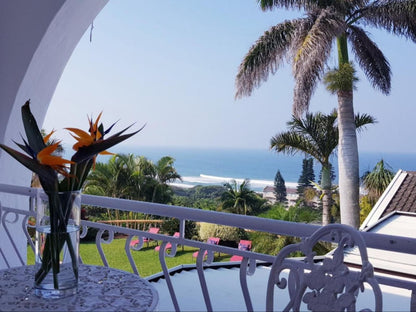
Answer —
269 189
402 264
400 195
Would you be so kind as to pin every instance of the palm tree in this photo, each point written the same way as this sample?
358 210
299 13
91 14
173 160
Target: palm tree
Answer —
308 42
316 135
238 198
376 181
165 173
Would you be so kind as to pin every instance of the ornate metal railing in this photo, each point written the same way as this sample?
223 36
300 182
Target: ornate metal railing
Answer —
12 217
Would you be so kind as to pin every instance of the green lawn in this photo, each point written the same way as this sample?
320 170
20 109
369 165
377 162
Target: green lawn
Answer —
147 260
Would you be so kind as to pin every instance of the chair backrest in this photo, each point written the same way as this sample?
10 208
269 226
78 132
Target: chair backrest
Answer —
213 240
244 245
154 230
327 285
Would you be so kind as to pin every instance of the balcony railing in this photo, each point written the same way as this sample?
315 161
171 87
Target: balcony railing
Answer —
12 217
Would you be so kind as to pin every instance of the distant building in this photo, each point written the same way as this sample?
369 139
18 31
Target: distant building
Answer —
291 195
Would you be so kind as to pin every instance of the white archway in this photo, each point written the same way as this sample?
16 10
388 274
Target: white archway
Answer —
37 39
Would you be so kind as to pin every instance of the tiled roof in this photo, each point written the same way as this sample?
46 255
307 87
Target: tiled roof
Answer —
405 197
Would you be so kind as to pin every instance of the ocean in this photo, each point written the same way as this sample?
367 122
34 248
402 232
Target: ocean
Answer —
217 166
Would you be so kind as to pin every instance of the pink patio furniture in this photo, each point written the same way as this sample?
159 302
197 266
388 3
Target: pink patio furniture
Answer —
242 245
168 245
153 230
211 240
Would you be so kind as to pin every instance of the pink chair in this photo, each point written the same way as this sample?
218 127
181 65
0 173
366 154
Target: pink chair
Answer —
211 240
168 245
242 245
153 230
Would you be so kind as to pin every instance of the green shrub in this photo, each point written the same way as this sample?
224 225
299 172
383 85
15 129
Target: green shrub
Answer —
225 233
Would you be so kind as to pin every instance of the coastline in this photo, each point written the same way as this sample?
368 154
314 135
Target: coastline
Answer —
206 180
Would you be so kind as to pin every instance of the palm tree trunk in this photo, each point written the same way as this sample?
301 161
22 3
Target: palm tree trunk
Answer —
327 198
348 166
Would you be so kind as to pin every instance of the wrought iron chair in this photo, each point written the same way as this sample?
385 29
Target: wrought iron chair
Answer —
328 285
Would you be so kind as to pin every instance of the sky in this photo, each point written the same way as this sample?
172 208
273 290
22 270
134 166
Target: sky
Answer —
171 65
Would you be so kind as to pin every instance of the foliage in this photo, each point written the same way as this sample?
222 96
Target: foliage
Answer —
170 226
376 181
271 244
365 207
342 78
201 197
225 233
307 176
316 135
280 188
295 213
133 177
240 199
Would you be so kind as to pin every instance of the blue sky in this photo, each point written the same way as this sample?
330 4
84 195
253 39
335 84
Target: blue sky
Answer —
172 64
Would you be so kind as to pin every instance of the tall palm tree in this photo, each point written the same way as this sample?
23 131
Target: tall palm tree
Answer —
238 198
307 42
316 135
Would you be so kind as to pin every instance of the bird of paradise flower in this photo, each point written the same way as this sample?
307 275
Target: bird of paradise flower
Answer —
40 159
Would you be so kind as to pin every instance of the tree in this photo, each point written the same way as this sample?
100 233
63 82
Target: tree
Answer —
239 198
133 177
307 176
316 135
164 173
280 188
308 42
376 181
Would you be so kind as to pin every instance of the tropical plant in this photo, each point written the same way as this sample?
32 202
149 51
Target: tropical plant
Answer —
307 42
165 172
58 180
316 135
239 198
377 180
225 233
133 177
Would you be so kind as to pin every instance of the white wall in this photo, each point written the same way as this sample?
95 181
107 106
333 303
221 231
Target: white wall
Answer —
37 39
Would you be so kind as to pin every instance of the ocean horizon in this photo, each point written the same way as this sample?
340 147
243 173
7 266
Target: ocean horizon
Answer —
215 166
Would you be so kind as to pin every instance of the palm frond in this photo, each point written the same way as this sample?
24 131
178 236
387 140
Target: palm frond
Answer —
361 120
287 4
311 53
397 17
371 59
290 143
264 57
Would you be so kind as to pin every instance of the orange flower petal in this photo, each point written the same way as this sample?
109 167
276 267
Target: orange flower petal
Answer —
47 137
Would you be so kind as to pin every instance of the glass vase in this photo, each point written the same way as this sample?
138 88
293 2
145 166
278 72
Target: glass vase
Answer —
57 244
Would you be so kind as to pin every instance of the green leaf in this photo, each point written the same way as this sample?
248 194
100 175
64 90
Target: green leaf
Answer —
33 134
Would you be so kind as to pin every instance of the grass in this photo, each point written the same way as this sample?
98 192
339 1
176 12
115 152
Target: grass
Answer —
146 259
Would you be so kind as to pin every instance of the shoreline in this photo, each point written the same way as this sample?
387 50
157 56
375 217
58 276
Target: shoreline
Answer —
207 180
